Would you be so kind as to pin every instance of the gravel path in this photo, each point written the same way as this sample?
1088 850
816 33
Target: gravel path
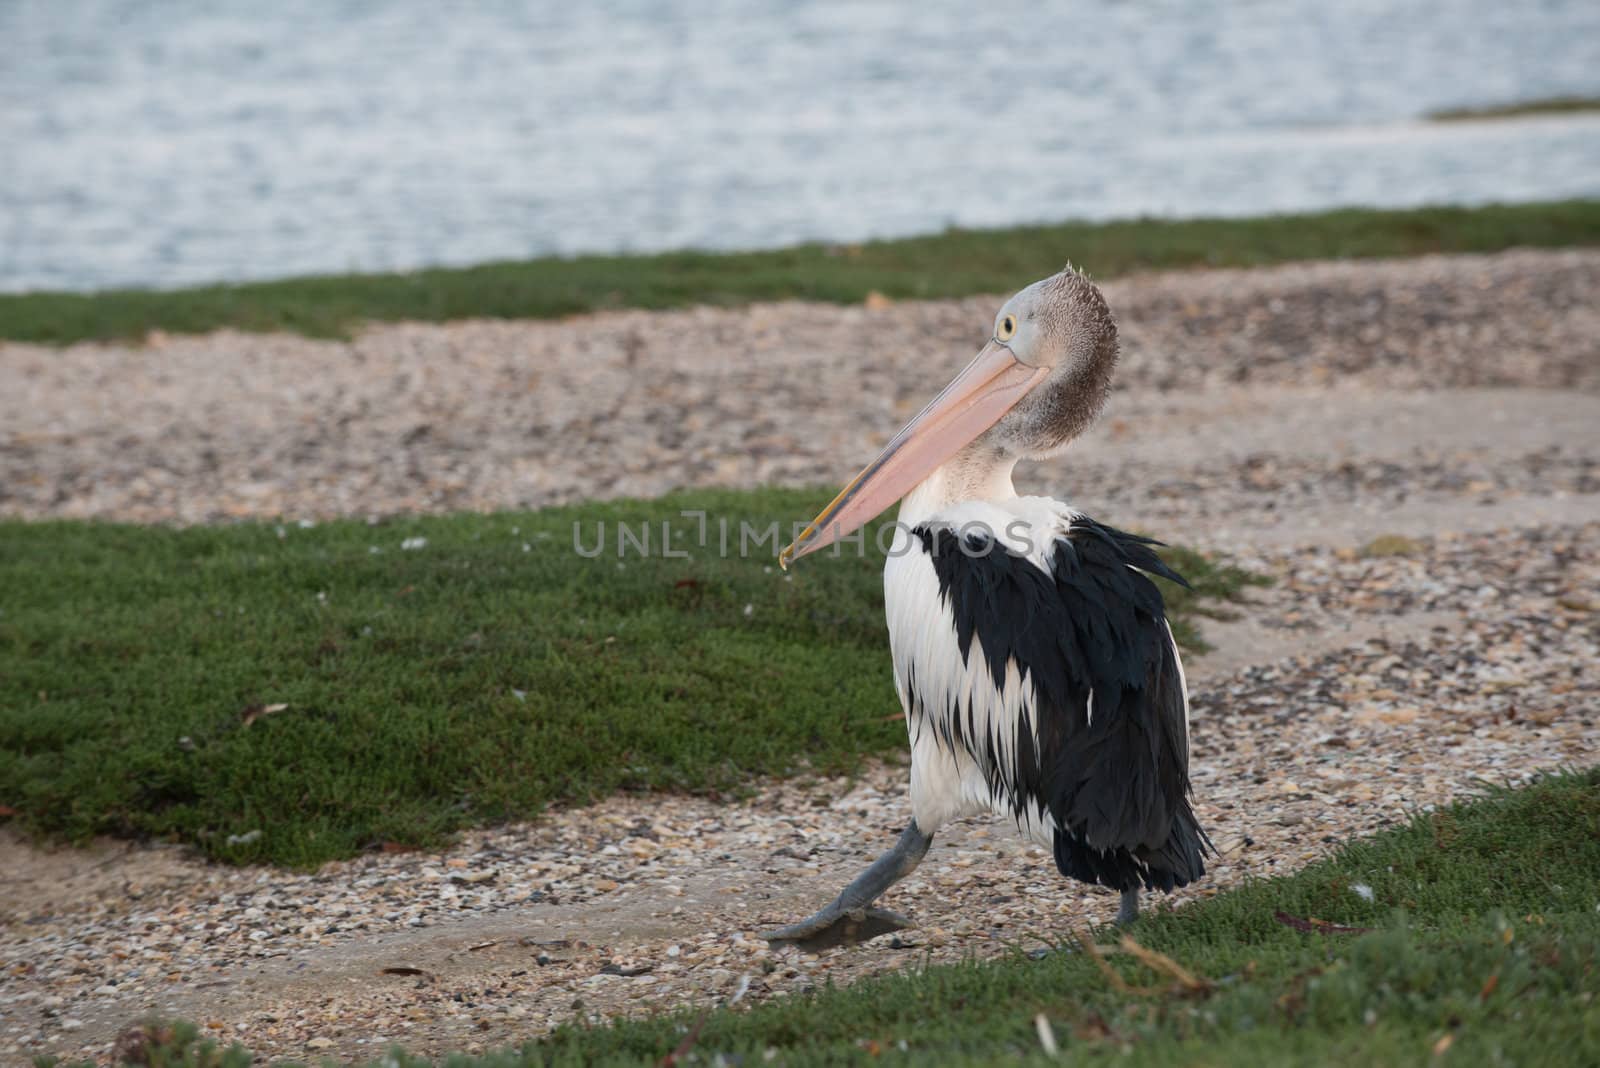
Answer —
478 415
1286 418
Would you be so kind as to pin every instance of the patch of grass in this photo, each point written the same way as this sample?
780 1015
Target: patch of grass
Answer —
1483 949
1552 105
477 678
952 264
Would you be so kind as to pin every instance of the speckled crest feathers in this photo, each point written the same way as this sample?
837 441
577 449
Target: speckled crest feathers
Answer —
1077 321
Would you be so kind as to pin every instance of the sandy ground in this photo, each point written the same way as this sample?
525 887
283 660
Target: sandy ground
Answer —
1284 418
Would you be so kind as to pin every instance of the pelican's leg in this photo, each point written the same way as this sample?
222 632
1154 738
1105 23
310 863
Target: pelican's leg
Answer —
849 919
1129 910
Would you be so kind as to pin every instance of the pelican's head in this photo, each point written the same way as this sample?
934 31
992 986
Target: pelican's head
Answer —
1036 385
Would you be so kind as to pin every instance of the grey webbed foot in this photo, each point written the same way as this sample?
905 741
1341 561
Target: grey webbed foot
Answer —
851 919
834 926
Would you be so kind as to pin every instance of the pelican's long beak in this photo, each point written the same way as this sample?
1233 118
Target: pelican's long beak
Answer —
990 387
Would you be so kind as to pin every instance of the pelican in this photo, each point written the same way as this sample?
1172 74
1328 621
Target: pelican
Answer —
1032 654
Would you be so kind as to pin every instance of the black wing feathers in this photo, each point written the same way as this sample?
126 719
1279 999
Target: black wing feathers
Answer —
1112 769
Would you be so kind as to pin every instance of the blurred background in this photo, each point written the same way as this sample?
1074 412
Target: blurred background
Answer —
148 143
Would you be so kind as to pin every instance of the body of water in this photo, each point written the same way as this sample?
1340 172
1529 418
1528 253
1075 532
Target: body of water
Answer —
165 142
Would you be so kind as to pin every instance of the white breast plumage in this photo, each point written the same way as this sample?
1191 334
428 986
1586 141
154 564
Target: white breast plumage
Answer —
962 724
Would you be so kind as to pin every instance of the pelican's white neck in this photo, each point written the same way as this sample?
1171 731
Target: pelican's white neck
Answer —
967 476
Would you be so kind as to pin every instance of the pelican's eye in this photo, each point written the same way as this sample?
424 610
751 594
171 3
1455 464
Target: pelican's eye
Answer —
1008 328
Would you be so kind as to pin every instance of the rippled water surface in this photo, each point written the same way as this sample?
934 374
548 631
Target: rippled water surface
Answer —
162 142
